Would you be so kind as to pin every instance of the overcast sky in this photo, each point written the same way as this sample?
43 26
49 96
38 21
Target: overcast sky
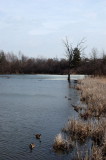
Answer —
37 27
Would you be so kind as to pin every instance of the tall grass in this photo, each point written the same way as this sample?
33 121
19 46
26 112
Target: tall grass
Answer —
60 143
93 92
78 129
91 124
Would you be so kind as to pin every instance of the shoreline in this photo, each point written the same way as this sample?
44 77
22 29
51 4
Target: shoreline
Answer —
90 127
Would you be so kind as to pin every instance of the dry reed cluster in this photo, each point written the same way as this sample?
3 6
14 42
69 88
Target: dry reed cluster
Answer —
95 154
93 92
98 131
91 124
60 143
78 129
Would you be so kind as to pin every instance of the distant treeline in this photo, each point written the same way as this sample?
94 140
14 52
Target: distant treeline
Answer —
12 64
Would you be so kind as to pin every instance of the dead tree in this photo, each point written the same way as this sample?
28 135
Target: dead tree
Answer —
70 53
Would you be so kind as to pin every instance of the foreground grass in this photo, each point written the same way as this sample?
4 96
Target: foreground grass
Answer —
91 124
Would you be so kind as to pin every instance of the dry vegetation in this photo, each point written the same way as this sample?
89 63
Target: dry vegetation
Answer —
91 125
60 143
78 129
93 92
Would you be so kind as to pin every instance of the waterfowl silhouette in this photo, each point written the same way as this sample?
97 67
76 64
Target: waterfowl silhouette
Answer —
76 108
38 136
31 146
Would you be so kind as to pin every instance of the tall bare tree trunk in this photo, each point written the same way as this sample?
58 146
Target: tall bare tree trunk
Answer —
69 78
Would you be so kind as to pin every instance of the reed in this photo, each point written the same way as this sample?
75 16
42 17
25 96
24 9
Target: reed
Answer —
78 129
60 143
94 154
98 131
104 146
91 124
93 92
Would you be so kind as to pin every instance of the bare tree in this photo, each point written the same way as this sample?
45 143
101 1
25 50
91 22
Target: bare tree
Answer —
70 53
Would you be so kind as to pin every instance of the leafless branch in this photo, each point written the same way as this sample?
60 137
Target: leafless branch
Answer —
69 49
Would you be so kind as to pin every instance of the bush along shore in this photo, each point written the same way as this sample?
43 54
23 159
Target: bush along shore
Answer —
86 135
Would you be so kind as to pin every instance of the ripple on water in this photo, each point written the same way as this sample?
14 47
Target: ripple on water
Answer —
27 108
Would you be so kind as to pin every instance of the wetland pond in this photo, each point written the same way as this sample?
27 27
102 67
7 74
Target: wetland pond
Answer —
31 104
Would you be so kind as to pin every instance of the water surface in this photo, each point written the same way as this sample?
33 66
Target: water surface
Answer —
31 104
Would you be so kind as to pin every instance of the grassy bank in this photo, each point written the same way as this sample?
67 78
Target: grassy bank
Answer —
89 129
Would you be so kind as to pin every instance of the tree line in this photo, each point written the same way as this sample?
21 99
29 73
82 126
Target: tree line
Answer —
83 65
12 64
74 63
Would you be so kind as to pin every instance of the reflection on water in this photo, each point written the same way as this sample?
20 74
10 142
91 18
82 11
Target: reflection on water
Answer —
31 104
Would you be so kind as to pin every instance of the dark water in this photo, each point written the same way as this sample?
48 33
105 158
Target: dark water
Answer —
31 104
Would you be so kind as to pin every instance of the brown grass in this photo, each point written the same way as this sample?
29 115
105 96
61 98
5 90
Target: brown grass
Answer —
78 129
98 131
60 143
94 154
93 94
104 146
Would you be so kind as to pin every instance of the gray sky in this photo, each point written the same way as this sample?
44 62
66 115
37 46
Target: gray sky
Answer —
37 27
